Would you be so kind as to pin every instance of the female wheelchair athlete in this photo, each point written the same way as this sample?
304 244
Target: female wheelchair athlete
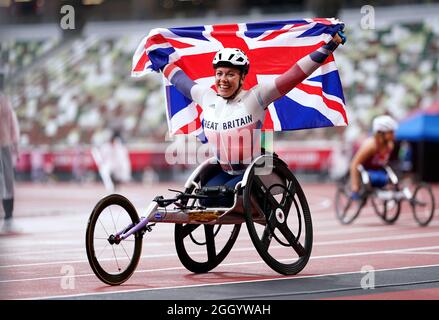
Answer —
386 200
269 199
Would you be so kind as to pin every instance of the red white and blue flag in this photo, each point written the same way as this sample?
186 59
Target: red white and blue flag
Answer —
272 48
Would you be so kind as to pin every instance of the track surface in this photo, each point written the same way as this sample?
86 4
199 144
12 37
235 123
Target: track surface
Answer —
48 259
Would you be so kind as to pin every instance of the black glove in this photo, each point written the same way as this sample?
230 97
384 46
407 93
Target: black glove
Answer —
342 36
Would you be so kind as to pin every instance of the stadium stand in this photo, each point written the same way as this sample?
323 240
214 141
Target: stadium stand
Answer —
84 90
78 91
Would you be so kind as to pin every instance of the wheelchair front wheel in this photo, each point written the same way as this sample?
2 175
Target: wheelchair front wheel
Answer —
346 209
423 204
276 208
112 260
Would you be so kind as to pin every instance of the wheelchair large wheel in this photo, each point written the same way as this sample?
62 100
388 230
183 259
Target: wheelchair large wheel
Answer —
202 247
278 217
346 209
388 209
423 204
112 260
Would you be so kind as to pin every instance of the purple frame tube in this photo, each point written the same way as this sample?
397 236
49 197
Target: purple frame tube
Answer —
125 233
133 229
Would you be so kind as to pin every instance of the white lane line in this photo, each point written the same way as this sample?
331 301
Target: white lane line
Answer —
246 249
420 252
351 254
226 283
340 230
156 243
384 238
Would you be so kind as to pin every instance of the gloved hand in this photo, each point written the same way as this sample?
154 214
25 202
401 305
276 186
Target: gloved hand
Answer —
159 60
340 37
355 196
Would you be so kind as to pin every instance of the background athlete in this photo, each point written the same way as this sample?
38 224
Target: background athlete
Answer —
374 154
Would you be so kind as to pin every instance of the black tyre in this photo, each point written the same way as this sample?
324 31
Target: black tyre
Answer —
111 260
276 208
423 204
202 247
346 209
389 209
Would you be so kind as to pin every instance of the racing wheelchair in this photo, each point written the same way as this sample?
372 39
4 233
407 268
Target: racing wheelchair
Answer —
269 200
386 200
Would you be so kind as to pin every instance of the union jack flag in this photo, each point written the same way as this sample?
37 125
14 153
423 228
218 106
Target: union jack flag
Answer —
272 48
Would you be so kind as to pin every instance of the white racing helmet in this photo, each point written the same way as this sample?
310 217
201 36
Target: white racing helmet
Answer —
384 124
231 57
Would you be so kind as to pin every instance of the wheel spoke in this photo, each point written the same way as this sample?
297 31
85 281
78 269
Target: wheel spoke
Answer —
126 253
266 237
112 218
187 229
291 238
288 198
216 251
385 211
117 220
419 203
267 234
102 251
257 206
105 230
266 194
346 208
272 218
125 240
117 262
210 242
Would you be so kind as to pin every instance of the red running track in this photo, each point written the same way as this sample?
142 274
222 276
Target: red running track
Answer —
48 258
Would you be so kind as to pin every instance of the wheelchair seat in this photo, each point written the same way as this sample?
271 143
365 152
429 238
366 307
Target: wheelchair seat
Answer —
378 178
233 197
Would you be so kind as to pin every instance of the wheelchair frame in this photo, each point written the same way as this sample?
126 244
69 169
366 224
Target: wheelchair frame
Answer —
267 215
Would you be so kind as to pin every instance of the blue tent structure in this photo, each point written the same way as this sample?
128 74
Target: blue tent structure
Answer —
421 129
422 125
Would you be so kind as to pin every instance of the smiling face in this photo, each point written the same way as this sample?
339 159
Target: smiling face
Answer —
227 81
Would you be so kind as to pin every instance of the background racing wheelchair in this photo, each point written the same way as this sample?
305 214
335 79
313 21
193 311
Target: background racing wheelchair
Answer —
386 198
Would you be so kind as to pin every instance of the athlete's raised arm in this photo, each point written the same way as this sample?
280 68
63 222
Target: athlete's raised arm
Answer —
302 69
184 84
